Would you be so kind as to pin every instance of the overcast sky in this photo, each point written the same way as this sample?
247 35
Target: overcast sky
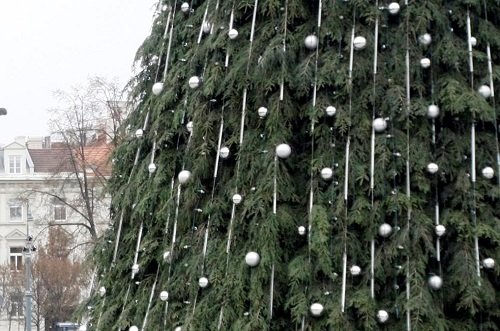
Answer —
54 44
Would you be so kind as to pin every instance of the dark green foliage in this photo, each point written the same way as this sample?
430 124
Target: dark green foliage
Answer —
308 268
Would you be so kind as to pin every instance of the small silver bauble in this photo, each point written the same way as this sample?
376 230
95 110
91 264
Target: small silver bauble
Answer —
379 124
224 152
139 133
302 230
488 172
262 111
432 168
355 270
184 176
133 328
385 230
488 263
473 41
382 316
440 230
435 282
233 34
316 309
163 295
135 268
311 42
237 198
178 328
154 59
157 88
330 110
206 27
326 173
252 259
167 257
189 126
102 291
203 282
151 168
283 151
185 7
425 39
194 82
82 328
359 42
432 111
393 8
485 91
425 63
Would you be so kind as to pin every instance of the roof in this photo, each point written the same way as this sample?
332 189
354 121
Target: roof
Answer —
98 158
51 160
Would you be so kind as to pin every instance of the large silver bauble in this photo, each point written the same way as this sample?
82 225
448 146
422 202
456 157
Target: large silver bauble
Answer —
359 42
432 168
440 230
311 42
488 172
283 151
435 282
316 309
432 111
382 316
157 88
184 176
385 230
252 259
379 124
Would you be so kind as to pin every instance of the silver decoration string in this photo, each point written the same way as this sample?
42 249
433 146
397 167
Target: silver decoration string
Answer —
372 153
408 187
145 321
473 151
346 177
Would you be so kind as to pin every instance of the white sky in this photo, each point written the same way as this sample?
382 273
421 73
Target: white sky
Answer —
47 45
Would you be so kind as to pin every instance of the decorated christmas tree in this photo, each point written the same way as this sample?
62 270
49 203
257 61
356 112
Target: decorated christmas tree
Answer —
308 165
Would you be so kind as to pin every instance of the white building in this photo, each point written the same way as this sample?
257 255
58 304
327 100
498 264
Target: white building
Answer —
39 189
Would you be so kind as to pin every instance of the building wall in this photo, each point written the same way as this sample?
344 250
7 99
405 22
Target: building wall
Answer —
13 232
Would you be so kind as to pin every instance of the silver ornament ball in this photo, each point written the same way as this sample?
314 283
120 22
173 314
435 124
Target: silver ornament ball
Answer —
473 41
330 110
440 230
102 291
233 34
283 151
135 268
382 316
488 172
355 270
184 176
157 88
167 257
252 259
133 328
359 42
316 309
311 42
385 230
488 263
185 7
393 8
203 282
189 126
151 168
206 27
194 82
302 230
432 168
326 173
425 63
237 198
139 133
379 124
262 111
82 327
163 295
224 152
435 282
484 91
432 111
425 39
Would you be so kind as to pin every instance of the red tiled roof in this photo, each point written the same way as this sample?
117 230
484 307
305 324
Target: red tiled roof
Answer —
54 160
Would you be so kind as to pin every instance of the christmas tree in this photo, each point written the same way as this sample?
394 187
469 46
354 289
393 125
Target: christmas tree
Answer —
308 165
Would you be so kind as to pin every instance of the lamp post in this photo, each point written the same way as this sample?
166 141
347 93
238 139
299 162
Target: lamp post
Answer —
28 249
3 111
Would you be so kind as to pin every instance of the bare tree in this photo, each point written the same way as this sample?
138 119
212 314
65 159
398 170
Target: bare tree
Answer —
57 280
86 126
12 294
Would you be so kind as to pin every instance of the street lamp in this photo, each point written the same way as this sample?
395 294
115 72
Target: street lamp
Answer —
28 248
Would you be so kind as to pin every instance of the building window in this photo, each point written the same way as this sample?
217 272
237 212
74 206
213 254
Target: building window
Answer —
16 305
59 212
16 212
15 164
16 259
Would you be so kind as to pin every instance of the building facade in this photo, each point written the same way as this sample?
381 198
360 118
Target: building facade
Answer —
40 187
